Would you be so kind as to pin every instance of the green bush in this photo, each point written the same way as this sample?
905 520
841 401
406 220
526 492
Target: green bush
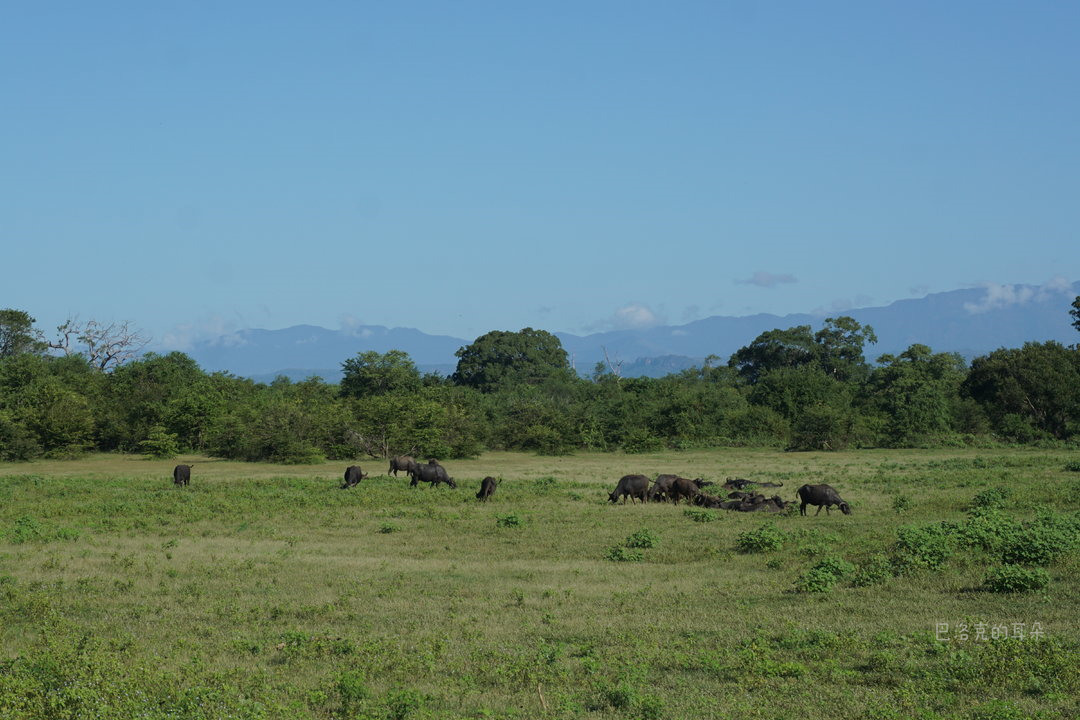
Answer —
926 546
991 498
876 570
1042 541
618 553
824 575
159 443
762 539
642 539
988 529
508 521
901 504
1013 578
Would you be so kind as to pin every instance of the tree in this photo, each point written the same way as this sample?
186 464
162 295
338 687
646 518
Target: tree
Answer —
774 349
840 347
1030 391
17 334
106 347
371 373
916 393
1075 313
500 358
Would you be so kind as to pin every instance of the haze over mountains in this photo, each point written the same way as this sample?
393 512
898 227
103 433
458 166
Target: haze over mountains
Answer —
971 322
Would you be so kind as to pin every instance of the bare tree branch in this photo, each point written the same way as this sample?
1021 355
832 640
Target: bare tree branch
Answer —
105 346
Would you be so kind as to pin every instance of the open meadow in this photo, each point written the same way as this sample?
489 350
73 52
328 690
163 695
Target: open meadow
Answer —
266 591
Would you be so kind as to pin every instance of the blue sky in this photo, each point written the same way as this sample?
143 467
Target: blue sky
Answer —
461 167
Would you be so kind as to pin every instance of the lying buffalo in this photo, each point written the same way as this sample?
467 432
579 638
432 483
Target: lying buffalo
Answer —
487 488
742 483
823 496
760 503
401 462
181 475
433 473
632 486
353 476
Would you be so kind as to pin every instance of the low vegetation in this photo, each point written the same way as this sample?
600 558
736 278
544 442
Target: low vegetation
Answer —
266 591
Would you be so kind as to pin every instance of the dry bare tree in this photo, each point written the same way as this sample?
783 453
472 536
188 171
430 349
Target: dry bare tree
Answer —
106 346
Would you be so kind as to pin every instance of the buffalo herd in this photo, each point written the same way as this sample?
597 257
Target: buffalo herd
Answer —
742 496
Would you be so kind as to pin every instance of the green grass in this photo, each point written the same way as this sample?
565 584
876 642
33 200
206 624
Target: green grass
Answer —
265 591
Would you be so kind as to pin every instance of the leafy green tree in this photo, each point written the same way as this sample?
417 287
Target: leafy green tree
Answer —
18 335
840 348
372 373
501 358
1075 313
1030 391
917 393
160 443
774 349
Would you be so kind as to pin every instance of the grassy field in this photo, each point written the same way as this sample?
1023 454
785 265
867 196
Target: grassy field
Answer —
267 591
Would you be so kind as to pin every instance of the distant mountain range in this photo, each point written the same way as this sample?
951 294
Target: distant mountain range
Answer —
971 322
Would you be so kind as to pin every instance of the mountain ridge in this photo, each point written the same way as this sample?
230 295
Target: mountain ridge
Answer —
970 322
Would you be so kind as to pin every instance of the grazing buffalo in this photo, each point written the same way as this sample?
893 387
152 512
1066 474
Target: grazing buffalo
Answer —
632 486
181 475
683 488
487 488
823 496
401 462
659 491
353 476
433 473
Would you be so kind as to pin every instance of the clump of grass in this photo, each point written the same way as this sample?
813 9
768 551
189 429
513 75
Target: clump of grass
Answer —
901 504
876 570
991 498
700 515
618 553
387 528
923 547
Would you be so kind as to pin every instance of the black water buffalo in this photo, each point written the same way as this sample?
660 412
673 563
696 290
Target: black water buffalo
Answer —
433 473
703 483
353 476
487 488
181 475
632 486
403 463
683 488
742 483
823 496
660 488
706 500
761 503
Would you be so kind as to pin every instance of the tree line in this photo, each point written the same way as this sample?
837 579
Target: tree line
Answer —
793 388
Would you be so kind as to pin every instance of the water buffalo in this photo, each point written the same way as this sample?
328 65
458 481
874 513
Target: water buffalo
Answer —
659 490
773 504
353 476
181 475
703 483
403 463
487 488
632 486
433 473
823 496
742 483
682 488
706 500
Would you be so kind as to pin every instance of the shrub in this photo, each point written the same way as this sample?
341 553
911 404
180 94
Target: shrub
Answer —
1013 578
824 575
508 521
642 539
1073 466
160 444
876 570
763 539
901 504
988 529
1041 542
618 553
387 528
927 546
991 498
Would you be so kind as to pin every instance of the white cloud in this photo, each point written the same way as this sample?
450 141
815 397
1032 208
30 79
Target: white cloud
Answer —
353 326
1002 296
629 317
767 279
184 336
